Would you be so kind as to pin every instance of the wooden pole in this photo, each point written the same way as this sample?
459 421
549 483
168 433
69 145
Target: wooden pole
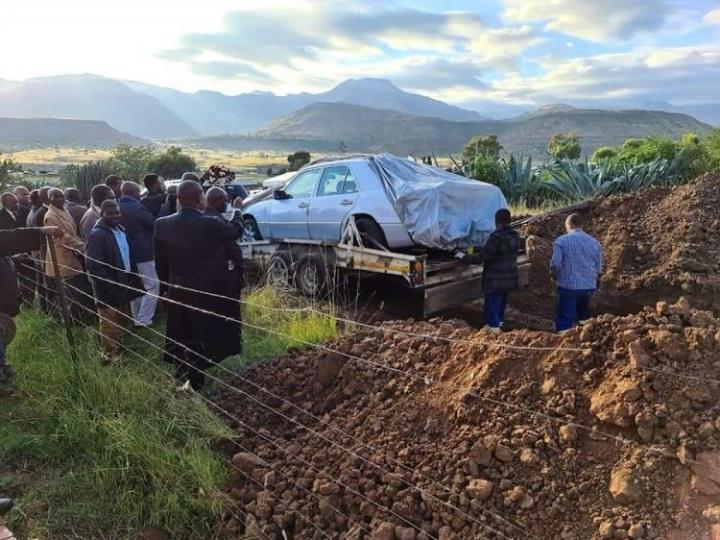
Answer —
63 300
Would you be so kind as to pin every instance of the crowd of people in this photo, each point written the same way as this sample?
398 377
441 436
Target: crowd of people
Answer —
126 251
121 252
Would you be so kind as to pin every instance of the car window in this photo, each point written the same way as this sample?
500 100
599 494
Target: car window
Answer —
350 185
332 180
303 184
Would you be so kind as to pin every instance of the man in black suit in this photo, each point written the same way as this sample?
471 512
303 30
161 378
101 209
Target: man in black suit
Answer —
190 252
9 218
23 196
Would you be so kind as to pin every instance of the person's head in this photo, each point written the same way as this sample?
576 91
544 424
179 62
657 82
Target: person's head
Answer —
154 183
190 195
73 195
130 189
189 175
573 221
172 191
114 182
35 198
217 199
9 202
44 197
57 197
110 212
23 195
502 217
101 193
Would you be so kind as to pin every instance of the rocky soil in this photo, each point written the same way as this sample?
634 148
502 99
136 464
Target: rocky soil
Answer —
659 244
611 431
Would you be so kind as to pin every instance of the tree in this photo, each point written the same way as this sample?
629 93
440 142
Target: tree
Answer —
131 162
640 151
604 153
486 146
7 166
711 144
485 169
298 159
564 146
84 177
172 163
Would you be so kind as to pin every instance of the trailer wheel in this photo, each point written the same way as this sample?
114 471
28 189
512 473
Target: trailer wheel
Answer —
311 275
367 227
251 231
279 271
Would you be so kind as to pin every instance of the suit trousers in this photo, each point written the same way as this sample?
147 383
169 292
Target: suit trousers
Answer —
143 308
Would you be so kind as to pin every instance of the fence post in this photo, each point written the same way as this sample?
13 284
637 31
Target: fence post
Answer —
63 300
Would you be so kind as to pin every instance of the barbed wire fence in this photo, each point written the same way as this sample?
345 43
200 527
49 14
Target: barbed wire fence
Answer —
511 528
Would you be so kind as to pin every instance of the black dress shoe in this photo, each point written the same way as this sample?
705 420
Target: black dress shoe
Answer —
5 506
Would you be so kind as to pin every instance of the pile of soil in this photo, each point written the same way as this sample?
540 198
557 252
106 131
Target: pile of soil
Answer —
659 244
458 428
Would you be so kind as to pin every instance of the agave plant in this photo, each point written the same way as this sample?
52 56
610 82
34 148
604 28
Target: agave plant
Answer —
577 180
517 179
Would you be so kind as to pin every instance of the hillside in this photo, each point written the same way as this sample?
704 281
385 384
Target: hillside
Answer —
43 132
88 97
212 113
370 129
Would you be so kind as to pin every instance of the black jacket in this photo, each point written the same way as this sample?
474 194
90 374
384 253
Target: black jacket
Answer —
139 224
153 202
102 246
7 221
13 242
500 271
232 249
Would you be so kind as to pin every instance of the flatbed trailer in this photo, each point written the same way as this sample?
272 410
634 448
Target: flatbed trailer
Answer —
441 280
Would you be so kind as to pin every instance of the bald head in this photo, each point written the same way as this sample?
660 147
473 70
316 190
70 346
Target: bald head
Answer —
190 195
9 202
190 176
130 189
23 195
217 198
73 195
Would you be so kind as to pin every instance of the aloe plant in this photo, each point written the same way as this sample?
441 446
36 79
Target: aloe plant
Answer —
517 179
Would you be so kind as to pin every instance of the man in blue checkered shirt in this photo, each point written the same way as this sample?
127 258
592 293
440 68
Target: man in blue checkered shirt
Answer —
576 265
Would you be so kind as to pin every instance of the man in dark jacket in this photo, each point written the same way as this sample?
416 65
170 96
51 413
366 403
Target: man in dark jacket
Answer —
13 242
139 225
11 217
500 269
190 252
155 196
74 205
23 196
108 262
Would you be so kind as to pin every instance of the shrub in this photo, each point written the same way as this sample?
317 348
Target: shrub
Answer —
486 146
298 160
564 146
84 177
485 169
172 163
131 162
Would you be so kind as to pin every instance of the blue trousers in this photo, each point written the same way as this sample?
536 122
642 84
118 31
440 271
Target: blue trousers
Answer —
494 308
573 306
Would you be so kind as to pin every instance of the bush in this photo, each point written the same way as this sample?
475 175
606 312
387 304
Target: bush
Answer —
298 160
485 146
131 162
485 169
604 153
84 177
564 146
639 151
172 163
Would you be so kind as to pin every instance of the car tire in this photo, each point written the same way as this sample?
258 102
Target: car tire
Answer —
367 227
311 275
251 231
279 274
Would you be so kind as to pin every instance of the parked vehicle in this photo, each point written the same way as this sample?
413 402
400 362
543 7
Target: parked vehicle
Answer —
316 203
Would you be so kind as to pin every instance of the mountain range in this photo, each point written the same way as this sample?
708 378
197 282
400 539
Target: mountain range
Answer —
18 133
366 113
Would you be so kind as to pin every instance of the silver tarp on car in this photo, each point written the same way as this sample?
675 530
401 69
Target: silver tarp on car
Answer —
440 209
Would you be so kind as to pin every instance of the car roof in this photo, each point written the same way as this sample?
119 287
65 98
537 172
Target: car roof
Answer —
339 159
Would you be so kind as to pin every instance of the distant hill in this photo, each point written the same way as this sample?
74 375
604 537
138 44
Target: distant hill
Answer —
43 132
213 113
705 112
89 97
370 129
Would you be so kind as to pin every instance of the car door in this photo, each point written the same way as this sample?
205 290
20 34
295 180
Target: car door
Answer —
334 198
289 217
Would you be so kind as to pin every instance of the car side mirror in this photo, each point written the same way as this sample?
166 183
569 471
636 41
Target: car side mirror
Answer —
280 195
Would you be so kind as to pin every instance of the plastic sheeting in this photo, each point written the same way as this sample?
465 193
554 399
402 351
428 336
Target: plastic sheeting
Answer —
441 210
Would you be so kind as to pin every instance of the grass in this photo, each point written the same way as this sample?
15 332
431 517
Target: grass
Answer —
98 452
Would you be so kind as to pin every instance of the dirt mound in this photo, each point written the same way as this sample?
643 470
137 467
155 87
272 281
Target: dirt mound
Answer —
616 435
659 244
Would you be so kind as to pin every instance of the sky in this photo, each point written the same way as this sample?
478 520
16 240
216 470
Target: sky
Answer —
468 52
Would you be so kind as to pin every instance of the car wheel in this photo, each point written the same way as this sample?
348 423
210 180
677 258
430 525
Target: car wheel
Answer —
368 228
251 231
279 271
311 275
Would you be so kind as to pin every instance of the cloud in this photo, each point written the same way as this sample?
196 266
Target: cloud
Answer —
303 42
712 17
681 74
594 20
